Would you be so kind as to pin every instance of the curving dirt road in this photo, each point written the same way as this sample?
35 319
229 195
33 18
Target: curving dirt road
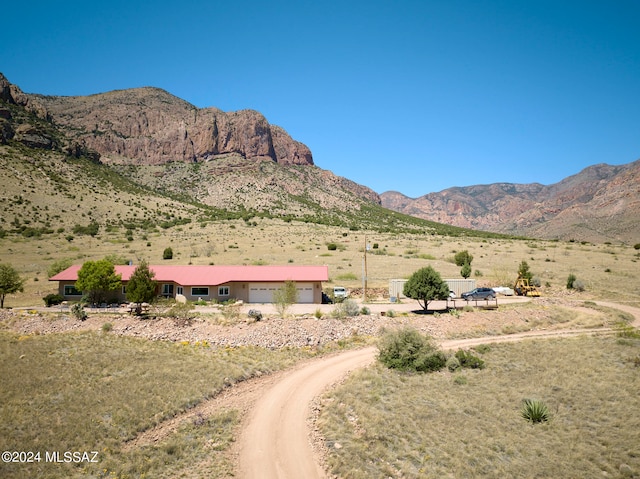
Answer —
276 443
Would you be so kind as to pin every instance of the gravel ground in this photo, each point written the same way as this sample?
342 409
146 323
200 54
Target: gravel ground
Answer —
301 327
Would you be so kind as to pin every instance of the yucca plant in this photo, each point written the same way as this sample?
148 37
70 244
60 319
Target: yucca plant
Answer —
535 411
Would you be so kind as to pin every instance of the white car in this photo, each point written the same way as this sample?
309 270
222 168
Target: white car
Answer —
503 290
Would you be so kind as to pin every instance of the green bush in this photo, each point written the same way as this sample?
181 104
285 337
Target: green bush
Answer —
52 299
465 272
58 266
469 360
463 257
408 350
570 280
428 361
332 246
167 253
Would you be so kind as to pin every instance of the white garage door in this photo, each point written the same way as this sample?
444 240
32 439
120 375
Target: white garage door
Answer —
263 292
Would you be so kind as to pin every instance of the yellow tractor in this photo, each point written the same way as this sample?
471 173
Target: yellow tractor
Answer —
523 288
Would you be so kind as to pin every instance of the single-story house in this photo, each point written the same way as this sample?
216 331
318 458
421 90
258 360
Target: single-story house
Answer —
251 284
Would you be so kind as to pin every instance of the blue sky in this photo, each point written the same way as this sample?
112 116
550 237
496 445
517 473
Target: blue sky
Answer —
413 96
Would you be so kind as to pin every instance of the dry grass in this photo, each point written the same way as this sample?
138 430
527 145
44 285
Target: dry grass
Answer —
95 391
381 423
608 271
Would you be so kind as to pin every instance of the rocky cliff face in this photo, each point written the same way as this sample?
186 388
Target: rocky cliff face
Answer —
601 203
150 126
239 160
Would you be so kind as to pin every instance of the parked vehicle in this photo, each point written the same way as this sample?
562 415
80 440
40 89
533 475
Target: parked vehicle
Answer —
479 293
339 292
326 299
524 288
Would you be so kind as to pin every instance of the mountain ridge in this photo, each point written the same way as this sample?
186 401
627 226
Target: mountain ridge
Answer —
238 162
599 203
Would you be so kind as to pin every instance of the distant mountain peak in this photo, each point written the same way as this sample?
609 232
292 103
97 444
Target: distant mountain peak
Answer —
600 203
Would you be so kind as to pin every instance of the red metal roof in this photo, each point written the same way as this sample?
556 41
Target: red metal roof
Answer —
193 275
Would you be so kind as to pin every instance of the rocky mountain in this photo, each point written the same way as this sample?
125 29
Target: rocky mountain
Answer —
230 160
144 159
150 126
601 203
237 162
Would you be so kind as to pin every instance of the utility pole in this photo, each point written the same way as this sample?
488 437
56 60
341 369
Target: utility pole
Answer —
364 273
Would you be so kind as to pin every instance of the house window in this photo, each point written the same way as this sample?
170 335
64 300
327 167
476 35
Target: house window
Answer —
200 291
70 290
167 290
124 289
223 291
179 290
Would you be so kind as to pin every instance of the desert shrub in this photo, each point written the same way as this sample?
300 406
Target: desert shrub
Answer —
463 257
535 411
365 311
636 246
351 308
391 313
52 299
181 313
91 229
453 364
332 246
428 361
346 308
106 327
578 285
570 280
626 330
285 296
469 360
482 348
408 350
59 266
460 380
318 313
78 312
167 253
465 272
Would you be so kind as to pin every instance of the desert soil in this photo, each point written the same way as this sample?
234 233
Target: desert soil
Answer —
278 438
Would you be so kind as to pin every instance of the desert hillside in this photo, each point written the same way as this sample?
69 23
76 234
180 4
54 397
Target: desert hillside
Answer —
237 163
600 203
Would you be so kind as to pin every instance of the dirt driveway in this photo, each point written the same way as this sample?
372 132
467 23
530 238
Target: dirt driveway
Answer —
276 441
